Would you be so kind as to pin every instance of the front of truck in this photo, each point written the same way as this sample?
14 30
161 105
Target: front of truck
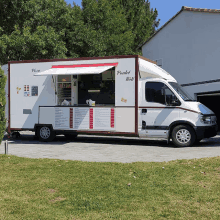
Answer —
194 121
206 125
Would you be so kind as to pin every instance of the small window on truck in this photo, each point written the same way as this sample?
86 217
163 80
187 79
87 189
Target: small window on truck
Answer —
153 92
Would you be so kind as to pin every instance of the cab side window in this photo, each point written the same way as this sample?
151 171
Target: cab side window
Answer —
158 92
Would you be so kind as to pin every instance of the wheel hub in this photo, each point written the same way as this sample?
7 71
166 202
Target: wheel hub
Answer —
45 132
183 136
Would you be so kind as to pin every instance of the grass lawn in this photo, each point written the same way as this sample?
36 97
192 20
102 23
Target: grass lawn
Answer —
63 189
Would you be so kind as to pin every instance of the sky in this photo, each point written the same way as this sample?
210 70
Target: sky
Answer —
168 8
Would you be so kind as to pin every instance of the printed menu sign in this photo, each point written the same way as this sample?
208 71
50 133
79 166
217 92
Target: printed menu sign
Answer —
34 91
61 117
102 118
26 91
81 118
30 90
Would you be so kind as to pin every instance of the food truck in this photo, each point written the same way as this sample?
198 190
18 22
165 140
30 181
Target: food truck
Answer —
125 95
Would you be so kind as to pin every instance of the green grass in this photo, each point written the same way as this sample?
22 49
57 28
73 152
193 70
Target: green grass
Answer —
61 189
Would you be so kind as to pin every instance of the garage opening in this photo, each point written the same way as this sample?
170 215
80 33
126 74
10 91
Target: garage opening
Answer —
212 101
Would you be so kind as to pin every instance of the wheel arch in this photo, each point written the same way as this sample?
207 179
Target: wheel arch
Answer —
36 126
180 122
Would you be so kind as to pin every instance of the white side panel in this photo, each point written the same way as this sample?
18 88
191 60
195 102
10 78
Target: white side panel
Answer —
162 134
21 97
125 119
47 115
125 82
22 74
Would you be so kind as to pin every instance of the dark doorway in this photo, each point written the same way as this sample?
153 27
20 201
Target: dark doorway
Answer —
212 101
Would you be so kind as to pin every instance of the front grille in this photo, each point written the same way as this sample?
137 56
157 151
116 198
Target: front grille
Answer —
213 119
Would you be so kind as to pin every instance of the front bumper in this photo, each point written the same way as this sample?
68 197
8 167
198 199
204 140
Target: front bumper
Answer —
206 131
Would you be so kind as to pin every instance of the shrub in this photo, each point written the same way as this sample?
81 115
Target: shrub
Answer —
3 79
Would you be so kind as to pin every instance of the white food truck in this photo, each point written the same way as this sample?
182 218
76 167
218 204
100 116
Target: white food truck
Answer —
117 95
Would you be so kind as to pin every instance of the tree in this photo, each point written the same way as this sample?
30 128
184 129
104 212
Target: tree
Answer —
44 43
39 29
33 29
111 27
98 31
2 104
141 19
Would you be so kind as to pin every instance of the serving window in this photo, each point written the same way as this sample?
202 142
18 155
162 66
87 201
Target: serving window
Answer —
76 89
97 87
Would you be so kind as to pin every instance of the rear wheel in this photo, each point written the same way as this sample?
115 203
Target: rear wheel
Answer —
45 133
183 136
15 135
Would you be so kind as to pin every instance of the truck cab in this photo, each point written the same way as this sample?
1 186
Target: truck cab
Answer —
167 111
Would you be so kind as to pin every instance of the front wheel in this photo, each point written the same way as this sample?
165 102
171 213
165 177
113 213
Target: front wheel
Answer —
183 136
45 133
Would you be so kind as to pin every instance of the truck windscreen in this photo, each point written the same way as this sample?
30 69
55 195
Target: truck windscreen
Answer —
182 93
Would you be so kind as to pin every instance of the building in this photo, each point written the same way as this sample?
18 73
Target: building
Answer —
188 47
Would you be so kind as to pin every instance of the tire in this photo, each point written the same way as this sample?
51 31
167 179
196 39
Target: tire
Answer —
45 133
15 135
183 136
70 136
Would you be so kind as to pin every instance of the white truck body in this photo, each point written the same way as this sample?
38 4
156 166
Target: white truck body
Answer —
141 100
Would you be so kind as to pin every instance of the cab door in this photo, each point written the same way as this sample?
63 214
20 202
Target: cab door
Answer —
158 109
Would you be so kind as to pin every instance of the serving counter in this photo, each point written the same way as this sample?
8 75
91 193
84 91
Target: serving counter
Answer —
78 117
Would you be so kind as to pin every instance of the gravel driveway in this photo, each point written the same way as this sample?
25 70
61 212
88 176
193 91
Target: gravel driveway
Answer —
109 149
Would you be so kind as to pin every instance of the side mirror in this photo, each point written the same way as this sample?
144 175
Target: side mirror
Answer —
174 102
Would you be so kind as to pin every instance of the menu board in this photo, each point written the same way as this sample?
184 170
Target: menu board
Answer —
61 117
81 118
102 118
34 91
30 90
26 91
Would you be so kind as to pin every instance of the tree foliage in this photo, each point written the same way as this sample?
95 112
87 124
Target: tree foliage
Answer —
33 29
2 104
111 27
38 29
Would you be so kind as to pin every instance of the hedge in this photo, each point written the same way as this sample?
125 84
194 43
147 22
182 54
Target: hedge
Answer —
3 79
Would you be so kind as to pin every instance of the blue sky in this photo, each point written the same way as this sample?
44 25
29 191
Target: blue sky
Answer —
168 8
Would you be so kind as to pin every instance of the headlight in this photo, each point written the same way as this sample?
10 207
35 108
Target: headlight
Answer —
205 119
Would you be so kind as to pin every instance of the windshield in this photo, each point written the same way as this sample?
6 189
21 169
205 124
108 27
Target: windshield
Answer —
182 93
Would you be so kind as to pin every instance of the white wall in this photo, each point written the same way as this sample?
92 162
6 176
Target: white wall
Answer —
189 47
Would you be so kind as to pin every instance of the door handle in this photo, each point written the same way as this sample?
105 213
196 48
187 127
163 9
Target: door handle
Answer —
144 111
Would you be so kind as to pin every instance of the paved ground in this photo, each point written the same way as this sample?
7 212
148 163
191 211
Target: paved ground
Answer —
109 149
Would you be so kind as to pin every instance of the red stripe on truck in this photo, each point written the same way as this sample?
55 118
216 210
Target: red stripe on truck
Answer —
85 65
71 117
112 122
91 118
